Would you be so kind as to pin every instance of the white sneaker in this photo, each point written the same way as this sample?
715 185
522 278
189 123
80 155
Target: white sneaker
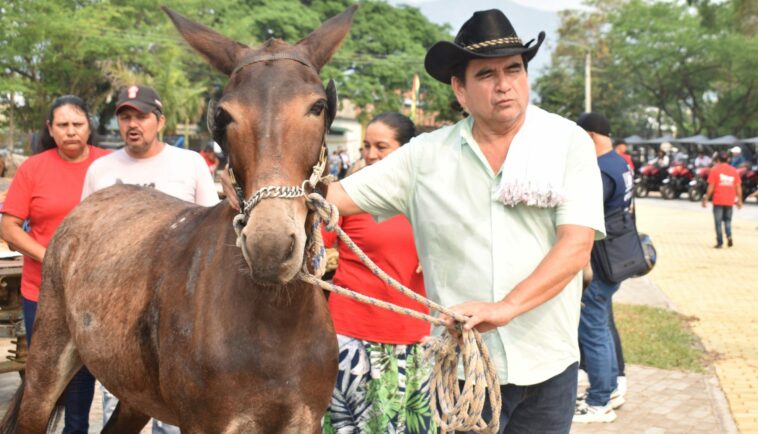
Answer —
621 385
591 413
617 398
616 401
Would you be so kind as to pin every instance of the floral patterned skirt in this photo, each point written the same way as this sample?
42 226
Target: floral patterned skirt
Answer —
381 388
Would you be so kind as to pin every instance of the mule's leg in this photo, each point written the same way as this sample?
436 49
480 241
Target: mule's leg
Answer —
46 378
125 420
53 361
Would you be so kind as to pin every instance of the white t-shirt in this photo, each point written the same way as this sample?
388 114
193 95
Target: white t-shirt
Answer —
178 172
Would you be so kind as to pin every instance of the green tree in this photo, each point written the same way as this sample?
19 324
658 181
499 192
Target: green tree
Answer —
386 47
93 47
90 49
375 65
43 61
657 65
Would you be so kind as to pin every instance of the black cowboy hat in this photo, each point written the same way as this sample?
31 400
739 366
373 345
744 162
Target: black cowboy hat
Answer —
486 34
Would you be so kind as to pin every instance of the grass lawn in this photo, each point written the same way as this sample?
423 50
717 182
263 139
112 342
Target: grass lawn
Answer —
659 338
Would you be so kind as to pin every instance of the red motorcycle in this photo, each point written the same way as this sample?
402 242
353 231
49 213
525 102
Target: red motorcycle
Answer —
699 184
749 177
650 179
677 182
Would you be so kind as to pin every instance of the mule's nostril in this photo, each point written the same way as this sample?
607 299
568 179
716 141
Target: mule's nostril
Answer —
292 246
242 244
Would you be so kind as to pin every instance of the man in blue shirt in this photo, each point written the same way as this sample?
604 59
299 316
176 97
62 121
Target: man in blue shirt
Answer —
595 337
737 158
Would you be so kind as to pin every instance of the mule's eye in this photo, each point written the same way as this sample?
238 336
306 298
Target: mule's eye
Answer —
221 120
318 107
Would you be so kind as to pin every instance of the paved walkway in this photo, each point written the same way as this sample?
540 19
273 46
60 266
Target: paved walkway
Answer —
716 286
662 401
667 402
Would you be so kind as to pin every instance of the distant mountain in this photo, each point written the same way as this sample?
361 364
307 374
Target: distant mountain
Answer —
527 21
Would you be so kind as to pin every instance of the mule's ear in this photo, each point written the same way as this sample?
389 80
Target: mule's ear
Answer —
324 41
220 51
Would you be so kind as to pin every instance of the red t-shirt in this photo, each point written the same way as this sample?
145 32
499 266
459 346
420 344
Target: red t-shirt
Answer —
390 245
628 159
211 164
725 180
44 190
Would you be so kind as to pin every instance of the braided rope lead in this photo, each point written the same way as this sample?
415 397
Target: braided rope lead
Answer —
452 409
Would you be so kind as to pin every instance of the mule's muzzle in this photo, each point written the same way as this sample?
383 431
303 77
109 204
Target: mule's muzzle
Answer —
273 241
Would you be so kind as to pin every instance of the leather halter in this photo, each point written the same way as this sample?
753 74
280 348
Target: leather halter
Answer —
288 192
271 57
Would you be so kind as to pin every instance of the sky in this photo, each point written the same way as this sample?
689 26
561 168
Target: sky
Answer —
528 17
545 5
551 5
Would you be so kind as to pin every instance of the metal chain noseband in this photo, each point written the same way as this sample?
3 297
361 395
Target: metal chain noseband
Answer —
271 191
275 191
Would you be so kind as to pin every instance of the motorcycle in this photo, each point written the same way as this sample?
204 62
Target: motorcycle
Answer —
677 182
650 179
699 184
749 177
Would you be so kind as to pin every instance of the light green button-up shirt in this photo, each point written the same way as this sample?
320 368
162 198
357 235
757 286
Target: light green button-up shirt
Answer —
473 247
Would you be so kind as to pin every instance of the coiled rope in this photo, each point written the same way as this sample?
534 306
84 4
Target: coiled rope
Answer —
452 409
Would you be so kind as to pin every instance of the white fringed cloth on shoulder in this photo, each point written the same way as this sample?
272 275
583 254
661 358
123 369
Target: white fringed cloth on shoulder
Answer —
533 171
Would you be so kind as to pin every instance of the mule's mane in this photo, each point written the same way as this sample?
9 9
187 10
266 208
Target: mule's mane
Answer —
275 43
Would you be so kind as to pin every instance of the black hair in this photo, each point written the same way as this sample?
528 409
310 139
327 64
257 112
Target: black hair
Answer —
402 125
46 140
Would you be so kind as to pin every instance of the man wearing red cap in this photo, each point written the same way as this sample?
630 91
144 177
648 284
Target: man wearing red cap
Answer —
145 160
505 206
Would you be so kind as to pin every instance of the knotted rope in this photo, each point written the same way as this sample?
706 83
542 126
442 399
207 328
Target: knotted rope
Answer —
452 409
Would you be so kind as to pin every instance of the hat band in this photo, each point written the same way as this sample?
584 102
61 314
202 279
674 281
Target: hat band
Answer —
500 41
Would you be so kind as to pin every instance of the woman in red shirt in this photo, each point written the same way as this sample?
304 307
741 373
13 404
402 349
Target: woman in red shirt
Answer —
382 383
46 187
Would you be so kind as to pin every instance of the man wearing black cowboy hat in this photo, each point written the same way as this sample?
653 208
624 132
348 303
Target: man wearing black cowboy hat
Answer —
505 206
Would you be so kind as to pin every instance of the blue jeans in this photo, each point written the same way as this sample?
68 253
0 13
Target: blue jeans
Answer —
722 214
80 390
596 341
617 344
543 408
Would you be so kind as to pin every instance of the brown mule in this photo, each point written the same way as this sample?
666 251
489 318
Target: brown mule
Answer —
152 295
